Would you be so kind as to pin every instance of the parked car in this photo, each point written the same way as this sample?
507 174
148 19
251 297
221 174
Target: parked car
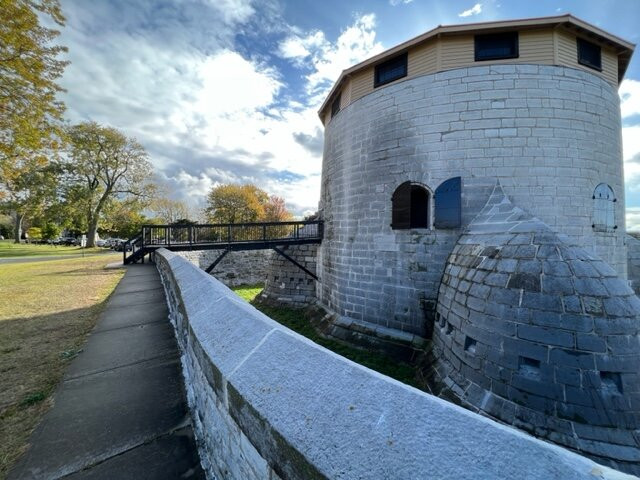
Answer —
69 241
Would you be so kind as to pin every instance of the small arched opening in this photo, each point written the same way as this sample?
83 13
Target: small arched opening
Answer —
411 205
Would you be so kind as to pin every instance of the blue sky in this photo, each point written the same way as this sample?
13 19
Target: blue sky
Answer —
225 91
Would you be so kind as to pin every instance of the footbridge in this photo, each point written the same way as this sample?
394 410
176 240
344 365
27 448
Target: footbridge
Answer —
225 237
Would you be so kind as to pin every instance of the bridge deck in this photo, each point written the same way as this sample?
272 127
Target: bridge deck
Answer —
228 237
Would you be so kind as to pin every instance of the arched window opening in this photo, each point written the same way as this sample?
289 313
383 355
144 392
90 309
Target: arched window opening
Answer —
603 209
448 208
410 207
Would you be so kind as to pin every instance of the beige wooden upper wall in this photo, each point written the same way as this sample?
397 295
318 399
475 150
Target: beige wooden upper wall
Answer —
538 46
567 45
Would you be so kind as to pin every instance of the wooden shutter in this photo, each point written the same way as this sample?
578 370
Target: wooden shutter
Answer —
401 207
603 208
448 204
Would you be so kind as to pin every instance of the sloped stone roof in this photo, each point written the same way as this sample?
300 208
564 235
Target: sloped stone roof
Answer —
541 334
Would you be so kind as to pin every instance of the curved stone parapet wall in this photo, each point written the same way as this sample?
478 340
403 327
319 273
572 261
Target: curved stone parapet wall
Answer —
550 134
541 335
267 403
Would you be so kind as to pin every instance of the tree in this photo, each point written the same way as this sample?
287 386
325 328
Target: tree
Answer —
275 210
6 226
34 233
29 188
243 203
104 164
50 231
30 114
184 221
123 218
169 211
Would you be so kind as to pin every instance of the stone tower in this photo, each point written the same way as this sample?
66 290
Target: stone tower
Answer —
472 191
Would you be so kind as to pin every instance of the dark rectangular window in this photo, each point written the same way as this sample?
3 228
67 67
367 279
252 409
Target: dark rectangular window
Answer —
470 345
611 382
589 54
529 367
390 70
335 106
496 46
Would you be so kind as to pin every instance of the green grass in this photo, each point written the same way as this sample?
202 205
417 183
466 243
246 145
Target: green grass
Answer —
298 321
8 249
47 308
248 292
33 398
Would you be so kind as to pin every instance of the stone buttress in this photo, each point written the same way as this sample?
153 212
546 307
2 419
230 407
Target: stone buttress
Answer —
542 335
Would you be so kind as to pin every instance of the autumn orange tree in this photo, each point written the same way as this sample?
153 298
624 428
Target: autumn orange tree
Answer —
30 113
233 203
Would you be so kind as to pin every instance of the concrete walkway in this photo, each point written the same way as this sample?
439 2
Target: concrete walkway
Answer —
120 412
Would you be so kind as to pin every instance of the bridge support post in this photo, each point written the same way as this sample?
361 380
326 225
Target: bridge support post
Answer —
217 261
297 264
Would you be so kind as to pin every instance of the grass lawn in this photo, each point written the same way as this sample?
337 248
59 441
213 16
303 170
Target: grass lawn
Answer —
8 249
297 320
46 311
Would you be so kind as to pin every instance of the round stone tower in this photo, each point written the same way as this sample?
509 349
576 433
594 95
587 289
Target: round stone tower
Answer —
472 193
447 106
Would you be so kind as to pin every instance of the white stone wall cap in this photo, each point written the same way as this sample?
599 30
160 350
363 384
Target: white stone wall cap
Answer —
346 420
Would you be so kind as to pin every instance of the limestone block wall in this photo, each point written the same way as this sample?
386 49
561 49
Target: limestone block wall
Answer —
633 262
550 134
236 268
542 335
285 282
267 403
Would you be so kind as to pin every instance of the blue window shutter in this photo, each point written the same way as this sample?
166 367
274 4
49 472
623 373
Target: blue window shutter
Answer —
448 204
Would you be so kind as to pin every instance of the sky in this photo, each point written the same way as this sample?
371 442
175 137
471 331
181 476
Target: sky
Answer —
227 91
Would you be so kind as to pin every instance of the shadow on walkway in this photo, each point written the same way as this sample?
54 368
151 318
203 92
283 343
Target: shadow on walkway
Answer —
121 410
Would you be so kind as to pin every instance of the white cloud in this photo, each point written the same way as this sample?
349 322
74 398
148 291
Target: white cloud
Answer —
233 11
629 92
631 143
633 219
230 86
393 3
298 48
206 113
475 10
631 154
327 60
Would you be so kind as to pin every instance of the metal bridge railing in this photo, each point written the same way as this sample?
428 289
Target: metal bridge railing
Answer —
223 234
